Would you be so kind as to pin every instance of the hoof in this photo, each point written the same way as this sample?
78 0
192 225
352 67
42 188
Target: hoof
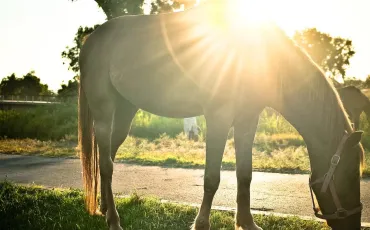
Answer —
98 213
102 211
103 208
200 225
116 227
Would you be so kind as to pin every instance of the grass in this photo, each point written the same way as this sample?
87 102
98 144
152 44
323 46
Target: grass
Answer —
284 153
276 153
24 207
28 146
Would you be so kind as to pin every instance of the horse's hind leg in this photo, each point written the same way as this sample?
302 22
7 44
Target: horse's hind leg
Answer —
103 121
217 131
244 132
111 123
123 115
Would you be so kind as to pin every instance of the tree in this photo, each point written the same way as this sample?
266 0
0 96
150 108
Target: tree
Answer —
71 54
354 82
9 85
367 82
69 90
28 85
115 8
163 6
331 53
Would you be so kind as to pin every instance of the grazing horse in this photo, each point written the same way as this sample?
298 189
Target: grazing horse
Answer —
355 102
186 64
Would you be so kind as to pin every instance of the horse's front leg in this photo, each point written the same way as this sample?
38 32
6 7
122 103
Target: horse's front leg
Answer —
217 131
244 132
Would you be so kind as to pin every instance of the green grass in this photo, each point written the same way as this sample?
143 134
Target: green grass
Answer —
23 207
284 153
28 146
276 153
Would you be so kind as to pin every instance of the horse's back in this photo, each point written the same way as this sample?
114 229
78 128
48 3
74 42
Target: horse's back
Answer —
131 53
171 64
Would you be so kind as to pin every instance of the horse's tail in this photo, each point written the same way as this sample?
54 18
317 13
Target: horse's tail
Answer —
88 152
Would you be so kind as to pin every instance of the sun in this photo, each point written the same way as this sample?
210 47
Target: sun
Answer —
242 13
248 12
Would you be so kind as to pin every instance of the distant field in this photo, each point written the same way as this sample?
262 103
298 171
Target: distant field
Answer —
272 153
366 92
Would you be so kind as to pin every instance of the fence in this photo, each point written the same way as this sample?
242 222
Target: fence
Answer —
42 98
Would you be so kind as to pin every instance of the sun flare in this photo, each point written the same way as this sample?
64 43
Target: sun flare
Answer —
242 13
247 12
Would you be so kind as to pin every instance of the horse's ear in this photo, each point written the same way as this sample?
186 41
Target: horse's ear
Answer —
354 138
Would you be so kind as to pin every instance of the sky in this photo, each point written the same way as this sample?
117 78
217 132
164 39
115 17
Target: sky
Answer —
33 33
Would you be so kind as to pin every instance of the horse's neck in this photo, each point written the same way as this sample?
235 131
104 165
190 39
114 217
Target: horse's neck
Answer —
313 108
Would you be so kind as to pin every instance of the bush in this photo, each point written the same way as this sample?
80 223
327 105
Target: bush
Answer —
146 125
44 123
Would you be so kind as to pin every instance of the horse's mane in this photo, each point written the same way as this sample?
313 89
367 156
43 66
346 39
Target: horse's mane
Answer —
317 87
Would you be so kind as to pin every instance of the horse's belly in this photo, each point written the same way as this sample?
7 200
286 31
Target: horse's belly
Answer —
164 95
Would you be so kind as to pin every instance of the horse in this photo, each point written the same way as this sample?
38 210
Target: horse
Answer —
355 102
188 64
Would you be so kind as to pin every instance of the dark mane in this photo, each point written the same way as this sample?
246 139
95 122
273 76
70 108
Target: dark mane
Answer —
317 87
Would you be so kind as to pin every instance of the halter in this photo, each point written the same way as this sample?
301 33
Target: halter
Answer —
328 182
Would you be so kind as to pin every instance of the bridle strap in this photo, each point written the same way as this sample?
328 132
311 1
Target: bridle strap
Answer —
341 213
334 195
328 182
333 164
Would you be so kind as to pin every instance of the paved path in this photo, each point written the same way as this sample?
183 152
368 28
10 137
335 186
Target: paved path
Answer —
282 193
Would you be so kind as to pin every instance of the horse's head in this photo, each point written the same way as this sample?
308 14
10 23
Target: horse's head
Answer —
336 185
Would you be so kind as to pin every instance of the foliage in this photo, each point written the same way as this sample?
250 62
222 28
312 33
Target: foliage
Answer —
37 123
163 6
69 92
352 81
150 126
331 53
70 54
366 84
116 8
28 85
47 122
33 123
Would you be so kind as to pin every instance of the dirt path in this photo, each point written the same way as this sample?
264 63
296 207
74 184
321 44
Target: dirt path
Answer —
273 192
